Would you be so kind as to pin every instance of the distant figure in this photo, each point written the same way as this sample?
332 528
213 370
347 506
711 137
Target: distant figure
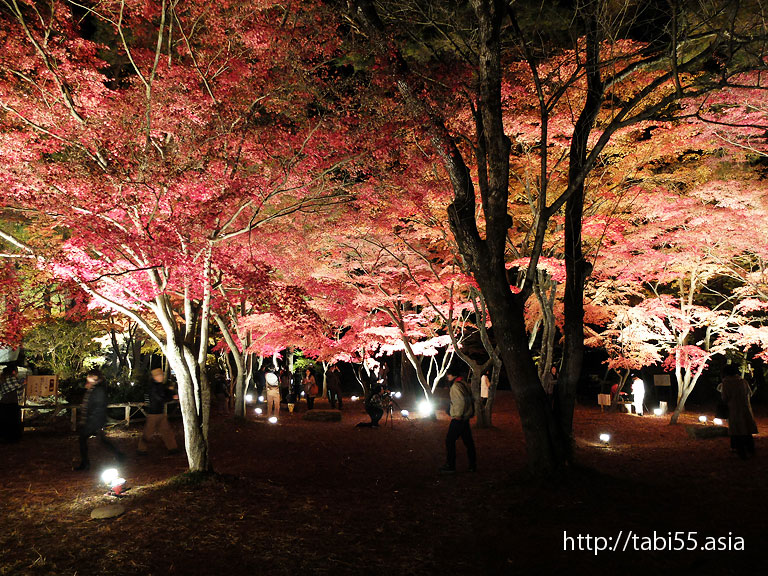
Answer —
157 419
285 384
461 410
310 388
297 388
485 387
382 375
272 384
220 390
550 383
11 397
93 417
741 421
374 407
638 395
333 382
259 381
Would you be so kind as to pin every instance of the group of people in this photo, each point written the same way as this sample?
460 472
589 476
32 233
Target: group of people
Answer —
93 417
735 393
461 409
289 388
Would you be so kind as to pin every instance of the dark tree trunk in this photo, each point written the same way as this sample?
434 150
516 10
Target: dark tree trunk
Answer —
541 438
576 268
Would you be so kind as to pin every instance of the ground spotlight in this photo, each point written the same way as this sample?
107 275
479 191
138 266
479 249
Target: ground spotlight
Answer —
658 412
605 438
354 398
249 397
261 398
259 411
273 419
703 419
109 475
425 408
398 394
405 413
718 421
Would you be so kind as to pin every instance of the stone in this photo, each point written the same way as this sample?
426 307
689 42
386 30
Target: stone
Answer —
109 511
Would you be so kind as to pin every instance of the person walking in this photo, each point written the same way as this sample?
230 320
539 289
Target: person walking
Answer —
94 417
157 418
741 422
11 393
461 410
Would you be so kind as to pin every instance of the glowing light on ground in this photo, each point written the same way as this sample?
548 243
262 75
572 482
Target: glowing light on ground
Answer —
261 398
249 397
398 394
425 408
405 413
354 398
109 475
273 419
605 438
702 419
259 411
718 421
658 412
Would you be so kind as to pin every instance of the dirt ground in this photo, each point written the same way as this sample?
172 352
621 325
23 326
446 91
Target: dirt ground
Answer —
327 498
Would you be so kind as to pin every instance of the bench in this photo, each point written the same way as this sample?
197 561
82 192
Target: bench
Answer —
604 400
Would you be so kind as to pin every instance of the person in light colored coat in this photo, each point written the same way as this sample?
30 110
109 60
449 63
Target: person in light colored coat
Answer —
461 411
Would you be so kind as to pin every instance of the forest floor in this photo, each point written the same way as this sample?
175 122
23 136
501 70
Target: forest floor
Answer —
305 497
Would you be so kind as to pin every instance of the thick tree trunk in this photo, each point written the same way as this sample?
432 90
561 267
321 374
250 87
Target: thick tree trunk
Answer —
573 326
576 269
541 438
195 439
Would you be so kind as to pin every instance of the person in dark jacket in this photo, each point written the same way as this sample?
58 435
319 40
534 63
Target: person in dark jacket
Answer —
333 383
11 390
157 419
741 422
374 406
94 417
285 384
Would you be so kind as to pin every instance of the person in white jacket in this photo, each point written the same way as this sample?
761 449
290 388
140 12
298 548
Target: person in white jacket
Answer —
461 410
638 395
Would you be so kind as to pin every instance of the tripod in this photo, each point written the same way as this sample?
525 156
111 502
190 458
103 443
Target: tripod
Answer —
389 405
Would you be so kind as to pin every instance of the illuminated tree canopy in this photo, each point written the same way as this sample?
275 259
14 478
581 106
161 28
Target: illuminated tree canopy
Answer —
353 179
